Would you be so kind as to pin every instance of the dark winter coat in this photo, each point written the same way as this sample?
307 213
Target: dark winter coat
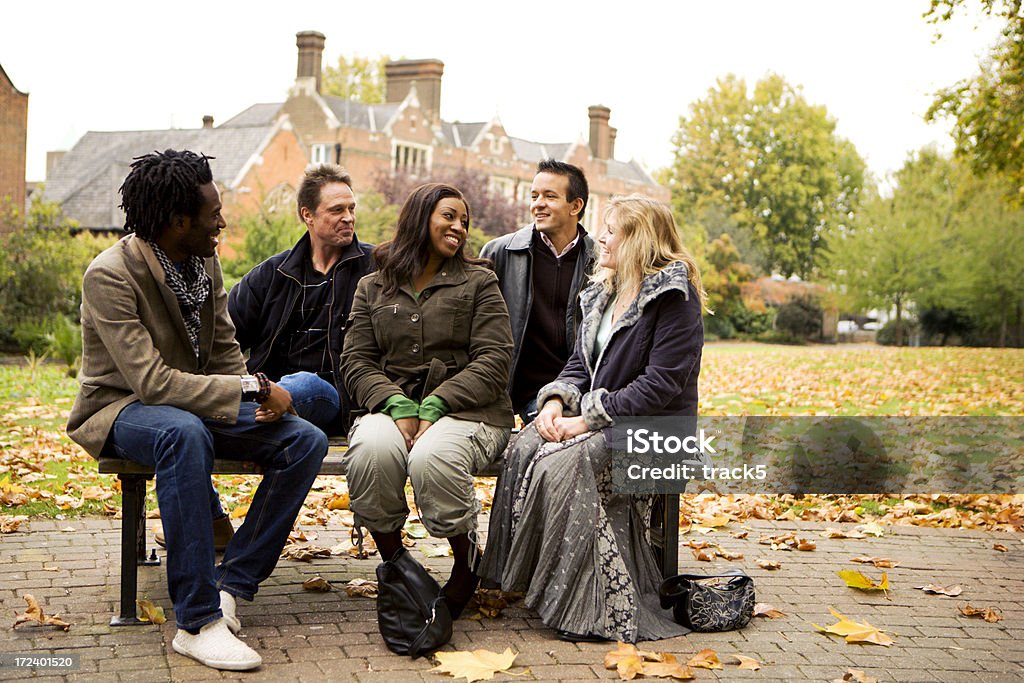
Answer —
262 304
651 361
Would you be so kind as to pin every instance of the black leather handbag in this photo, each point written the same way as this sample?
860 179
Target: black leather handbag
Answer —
412 614
721 602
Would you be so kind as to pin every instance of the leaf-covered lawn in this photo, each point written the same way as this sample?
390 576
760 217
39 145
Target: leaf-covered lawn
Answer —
758 379
43 473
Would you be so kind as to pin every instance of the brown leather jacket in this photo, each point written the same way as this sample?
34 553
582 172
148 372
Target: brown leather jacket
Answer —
453 342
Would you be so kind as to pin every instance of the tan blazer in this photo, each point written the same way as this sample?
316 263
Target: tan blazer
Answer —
135 346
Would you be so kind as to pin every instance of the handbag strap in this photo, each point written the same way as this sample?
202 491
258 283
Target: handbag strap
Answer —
417 642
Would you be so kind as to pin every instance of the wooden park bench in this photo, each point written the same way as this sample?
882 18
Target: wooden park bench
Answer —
133 476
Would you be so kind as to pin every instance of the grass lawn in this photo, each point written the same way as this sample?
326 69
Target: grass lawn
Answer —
43 473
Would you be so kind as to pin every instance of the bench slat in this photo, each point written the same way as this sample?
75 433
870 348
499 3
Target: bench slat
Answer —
331 465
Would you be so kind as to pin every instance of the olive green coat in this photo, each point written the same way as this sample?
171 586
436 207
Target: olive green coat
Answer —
454 342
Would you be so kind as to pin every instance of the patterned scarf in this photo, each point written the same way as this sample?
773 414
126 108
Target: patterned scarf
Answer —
191 287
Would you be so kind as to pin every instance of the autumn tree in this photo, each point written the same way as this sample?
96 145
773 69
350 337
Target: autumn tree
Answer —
356 78
948 241
891 257
774 162
981 278
987 109
490 211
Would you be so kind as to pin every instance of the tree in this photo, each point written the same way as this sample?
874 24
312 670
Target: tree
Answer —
983 280
947 241
357 78
41 266
891 257
490 211
987 109
774 160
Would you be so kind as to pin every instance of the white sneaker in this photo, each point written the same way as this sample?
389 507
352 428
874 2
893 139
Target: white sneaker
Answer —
216 647
229 608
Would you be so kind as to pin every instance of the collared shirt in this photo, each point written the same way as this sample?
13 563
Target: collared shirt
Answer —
551 245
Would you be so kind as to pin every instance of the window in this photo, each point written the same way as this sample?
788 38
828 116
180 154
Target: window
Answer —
505 187
281 198
410 158
318 154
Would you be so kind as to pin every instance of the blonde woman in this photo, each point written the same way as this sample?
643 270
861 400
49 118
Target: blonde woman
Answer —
557 531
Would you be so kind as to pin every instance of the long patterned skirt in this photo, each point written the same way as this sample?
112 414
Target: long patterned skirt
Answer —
580 552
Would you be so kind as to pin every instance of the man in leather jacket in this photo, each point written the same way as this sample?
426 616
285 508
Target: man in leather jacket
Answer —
290 311
541 269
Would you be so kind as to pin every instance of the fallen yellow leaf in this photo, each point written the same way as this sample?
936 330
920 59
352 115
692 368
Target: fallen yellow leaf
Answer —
478 665
763 609
240 511
339 502
317 583
859 580
151 611
668 667
705 659
628 667
855 632
35 613
748 663
989 614
882 562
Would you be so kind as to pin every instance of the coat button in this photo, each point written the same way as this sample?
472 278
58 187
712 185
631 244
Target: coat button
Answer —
425 295
415 317
415 348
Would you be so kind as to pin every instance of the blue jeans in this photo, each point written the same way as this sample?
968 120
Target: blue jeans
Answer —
529 412
180 446
314 399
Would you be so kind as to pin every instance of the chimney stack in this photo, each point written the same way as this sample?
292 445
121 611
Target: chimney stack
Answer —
311 57
612 133
425 73
600 137
207 121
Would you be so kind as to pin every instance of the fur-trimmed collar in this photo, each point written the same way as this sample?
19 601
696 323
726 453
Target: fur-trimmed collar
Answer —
594 299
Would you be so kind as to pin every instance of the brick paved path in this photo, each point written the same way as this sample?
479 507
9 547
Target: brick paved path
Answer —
327 637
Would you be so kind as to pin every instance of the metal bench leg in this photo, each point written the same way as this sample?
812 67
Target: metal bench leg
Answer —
133 546
669 534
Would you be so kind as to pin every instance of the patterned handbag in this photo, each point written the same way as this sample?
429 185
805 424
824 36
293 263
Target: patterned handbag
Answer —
721 602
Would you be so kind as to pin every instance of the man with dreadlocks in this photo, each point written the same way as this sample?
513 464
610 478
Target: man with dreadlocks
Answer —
163 383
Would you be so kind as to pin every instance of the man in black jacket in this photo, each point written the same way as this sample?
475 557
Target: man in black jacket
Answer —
290 311
541 269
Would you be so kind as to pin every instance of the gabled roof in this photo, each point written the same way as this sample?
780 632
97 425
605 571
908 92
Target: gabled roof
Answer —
257 115
459 134
9 81
352 114
629 170
87 179
533 152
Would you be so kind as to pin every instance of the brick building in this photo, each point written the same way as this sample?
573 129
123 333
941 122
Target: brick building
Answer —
262 151
407 133
13 134
254 166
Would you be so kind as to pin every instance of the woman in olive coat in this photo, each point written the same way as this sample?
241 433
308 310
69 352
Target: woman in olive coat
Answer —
427 354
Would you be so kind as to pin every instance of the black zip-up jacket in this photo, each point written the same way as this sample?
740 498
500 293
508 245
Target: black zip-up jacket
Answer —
261 304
